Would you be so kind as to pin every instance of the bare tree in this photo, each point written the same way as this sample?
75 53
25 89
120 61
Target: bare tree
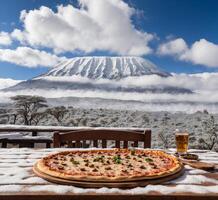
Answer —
38 116
165 139
210 139
58 113
28 107
12 117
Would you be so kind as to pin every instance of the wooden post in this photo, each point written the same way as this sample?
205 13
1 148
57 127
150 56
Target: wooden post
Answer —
4 143
56 139
34 133
104 143
48 145
147 141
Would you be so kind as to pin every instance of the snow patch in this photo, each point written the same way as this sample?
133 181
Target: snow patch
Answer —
106 67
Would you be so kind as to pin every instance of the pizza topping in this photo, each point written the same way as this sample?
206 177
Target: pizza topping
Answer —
155 167
129 165
132 152
75 162
148 160
108 162
142 167
117 159
62 158
60 167
108 168
99 159
95 170
125 170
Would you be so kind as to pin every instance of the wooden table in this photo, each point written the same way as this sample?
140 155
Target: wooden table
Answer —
17 181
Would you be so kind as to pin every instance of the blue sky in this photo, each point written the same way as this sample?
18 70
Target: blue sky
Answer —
166 20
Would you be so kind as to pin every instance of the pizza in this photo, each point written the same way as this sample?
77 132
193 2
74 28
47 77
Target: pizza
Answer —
109 164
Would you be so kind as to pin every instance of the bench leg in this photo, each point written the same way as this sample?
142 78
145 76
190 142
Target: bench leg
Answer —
34 133
4 144
48 145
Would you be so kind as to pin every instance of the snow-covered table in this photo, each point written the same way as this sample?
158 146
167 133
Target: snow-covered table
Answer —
17 181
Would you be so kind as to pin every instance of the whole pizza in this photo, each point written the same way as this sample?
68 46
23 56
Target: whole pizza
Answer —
109 165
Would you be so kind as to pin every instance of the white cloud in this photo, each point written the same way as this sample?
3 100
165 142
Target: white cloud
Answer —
202 52
18 35
8 82
29 57
176 46
5 39
95 25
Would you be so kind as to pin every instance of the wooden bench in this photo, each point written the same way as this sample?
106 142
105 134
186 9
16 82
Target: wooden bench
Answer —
100 138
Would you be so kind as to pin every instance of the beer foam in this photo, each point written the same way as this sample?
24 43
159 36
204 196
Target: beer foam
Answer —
182 133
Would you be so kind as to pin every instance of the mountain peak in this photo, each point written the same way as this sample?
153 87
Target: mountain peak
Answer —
106 67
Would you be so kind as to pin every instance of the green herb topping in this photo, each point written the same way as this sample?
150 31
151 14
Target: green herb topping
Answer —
75 162
117 159
148 160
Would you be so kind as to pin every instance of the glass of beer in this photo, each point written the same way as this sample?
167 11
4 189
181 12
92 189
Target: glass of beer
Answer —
182 142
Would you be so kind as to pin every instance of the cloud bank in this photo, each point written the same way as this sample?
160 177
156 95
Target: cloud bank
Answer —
201 52
8 82
197 83
29 57
204 86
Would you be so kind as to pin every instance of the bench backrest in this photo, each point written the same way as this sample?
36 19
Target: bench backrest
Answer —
100 138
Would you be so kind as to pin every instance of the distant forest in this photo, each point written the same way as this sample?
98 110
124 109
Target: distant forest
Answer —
34 110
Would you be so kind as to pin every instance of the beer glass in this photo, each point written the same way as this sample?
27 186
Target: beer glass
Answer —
182 142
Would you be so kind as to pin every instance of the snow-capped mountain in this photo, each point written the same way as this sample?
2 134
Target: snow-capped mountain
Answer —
106 67
100 74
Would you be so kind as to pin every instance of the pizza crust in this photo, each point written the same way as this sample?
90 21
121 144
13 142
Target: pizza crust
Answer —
92 178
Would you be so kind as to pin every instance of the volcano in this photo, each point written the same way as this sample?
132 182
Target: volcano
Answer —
106 67
99 73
